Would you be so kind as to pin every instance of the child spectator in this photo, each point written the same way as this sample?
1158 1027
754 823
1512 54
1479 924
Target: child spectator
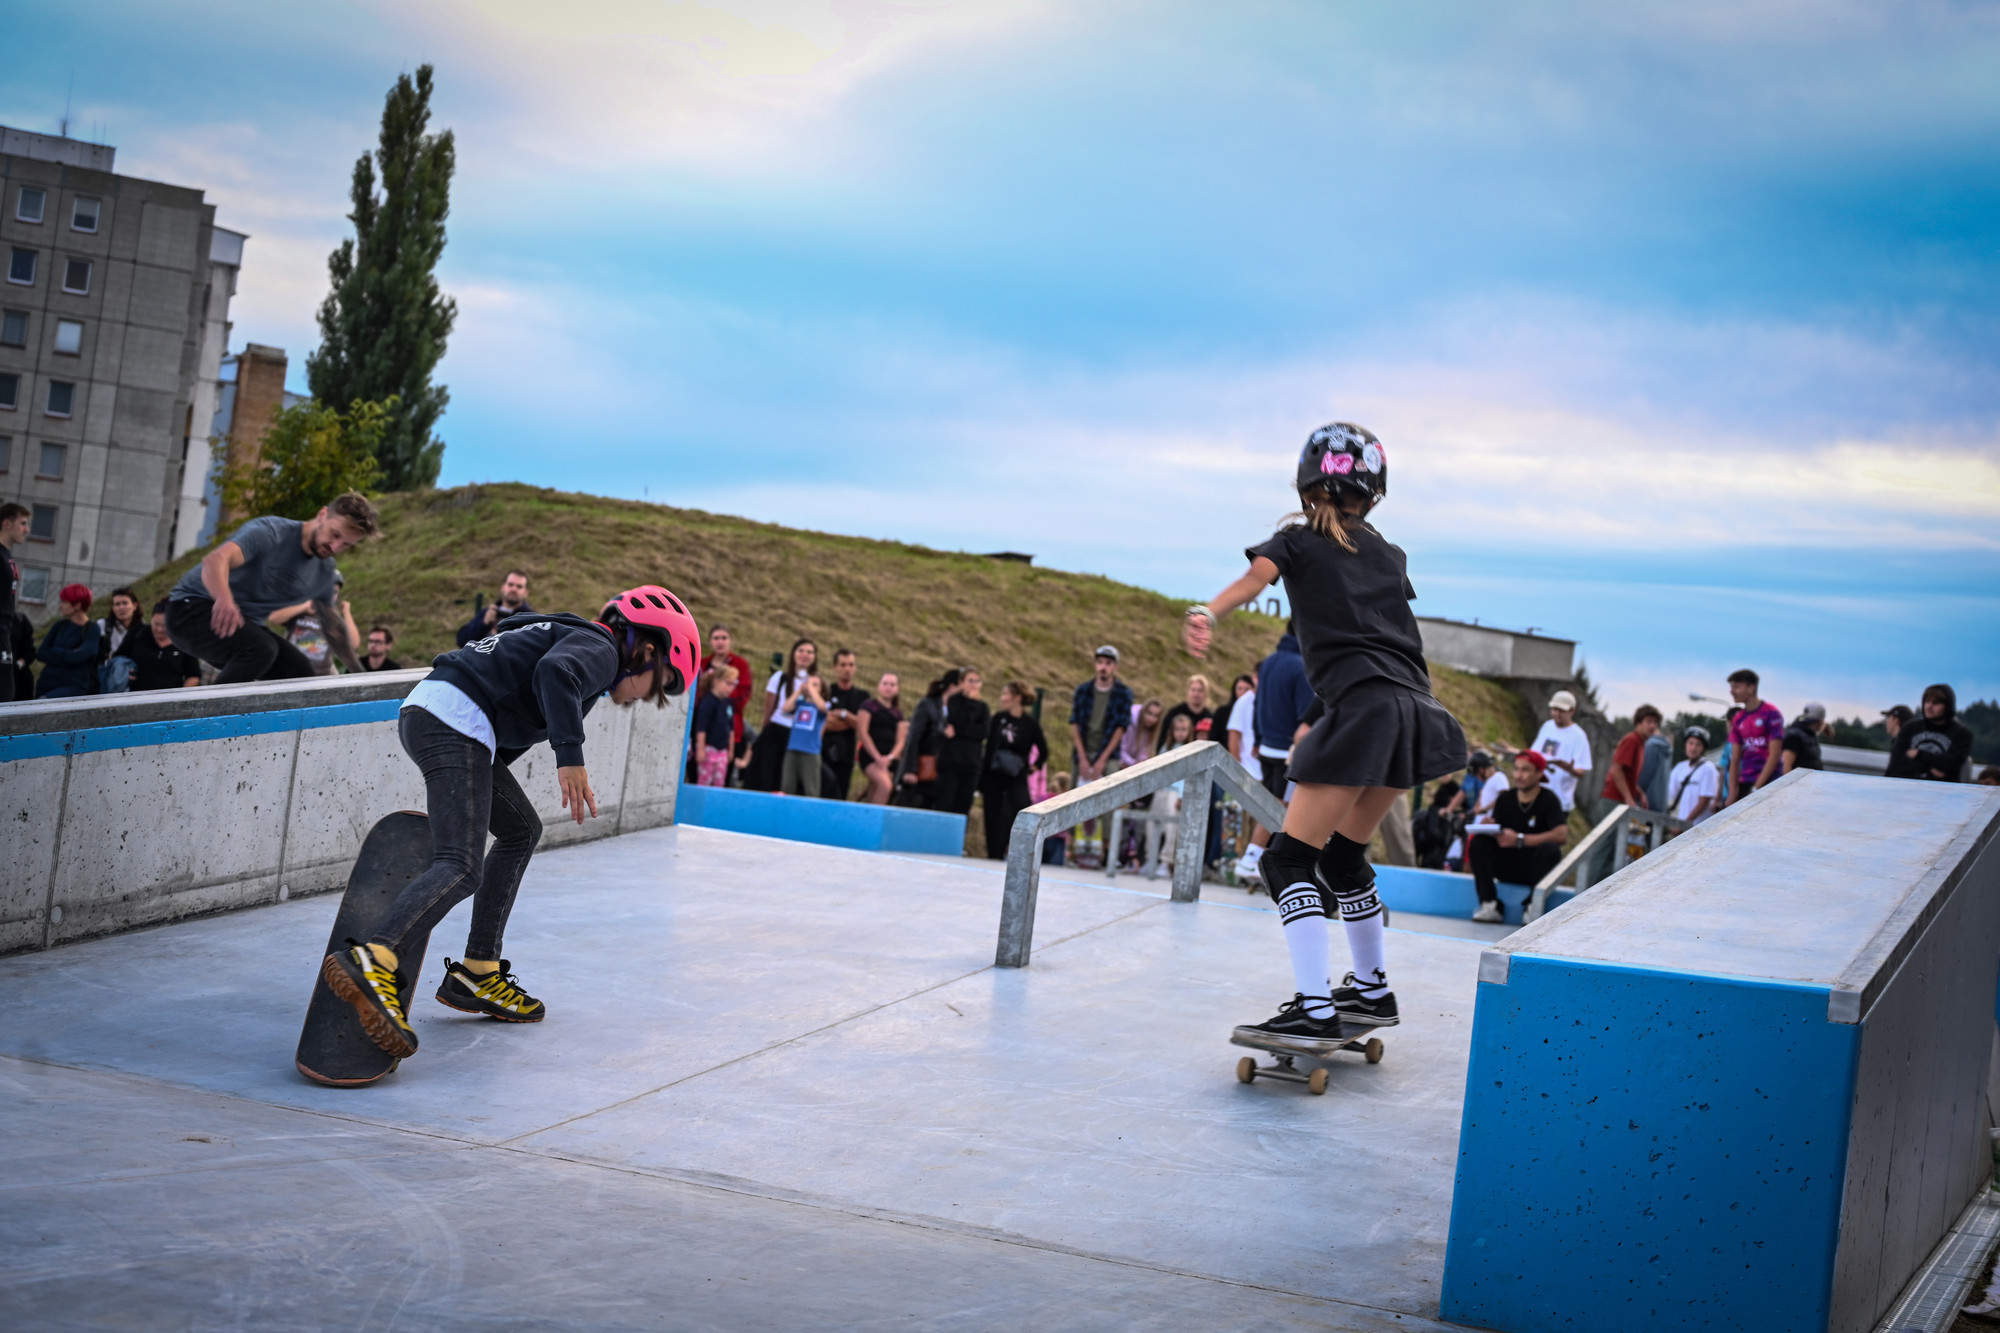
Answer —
1622 783
714 735
1693 786
805 719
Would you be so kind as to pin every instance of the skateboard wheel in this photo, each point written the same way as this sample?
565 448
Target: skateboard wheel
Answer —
1246 1070
1316 1082
1372 1052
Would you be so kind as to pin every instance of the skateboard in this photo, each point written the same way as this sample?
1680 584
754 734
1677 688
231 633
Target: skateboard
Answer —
1353 1037
333 1048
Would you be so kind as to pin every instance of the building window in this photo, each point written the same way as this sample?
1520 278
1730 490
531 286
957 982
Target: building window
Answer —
14 328
28 205
53 458
61 399
21 267
34 584
83 214
6 452
69 337
42 524
76 277
10 391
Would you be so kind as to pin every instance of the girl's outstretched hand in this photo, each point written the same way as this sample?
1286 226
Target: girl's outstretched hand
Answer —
1197 632
576 792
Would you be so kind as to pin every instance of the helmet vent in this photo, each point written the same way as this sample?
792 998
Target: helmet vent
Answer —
656 601
675 602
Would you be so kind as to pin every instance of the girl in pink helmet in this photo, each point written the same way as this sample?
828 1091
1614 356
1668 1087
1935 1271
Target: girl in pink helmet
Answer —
1380 729
532 679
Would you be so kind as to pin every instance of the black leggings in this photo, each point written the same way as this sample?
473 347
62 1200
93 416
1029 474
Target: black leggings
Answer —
957 784
468 795
251 653
1005 798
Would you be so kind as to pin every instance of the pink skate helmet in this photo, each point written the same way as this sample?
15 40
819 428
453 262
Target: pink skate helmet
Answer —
654 613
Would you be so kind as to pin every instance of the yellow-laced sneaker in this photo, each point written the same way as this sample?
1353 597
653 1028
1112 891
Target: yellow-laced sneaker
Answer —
356 976
496 994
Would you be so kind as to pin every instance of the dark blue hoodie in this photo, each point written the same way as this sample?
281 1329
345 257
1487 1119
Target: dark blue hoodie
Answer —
1283 694
535 676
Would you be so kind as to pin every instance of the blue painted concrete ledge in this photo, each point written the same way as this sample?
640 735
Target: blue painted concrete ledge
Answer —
1443 893
865 828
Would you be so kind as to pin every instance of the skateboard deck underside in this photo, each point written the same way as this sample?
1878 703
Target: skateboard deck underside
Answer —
333 1047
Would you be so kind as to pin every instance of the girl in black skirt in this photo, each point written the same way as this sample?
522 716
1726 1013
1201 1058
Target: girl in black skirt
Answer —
1382 731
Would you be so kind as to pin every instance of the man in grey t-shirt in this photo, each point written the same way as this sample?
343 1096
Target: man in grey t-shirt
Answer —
216 611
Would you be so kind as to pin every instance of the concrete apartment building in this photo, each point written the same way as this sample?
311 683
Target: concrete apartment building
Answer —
114 316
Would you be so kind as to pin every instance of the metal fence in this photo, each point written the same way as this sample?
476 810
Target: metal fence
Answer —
1198 766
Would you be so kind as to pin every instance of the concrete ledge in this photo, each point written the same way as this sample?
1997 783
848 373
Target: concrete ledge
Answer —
865 828
124 811
1743 1082
1443 893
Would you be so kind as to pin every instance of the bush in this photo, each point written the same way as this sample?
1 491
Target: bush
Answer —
311 454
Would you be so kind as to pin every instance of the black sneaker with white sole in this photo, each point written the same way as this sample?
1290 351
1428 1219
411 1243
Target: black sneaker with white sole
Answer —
1293 1026
1354 1005
495 994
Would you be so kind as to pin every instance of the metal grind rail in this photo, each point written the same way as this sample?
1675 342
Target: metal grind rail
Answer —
1199 766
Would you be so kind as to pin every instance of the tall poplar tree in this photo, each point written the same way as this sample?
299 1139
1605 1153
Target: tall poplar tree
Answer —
383 326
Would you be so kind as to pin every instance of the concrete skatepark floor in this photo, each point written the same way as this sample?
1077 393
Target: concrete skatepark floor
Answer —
780 1084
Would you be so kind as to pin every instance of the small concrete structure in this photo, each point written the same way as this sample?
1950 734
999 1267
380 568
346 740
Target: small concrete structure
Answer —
780 1086
1486 650
854 824
126 810
1743 1082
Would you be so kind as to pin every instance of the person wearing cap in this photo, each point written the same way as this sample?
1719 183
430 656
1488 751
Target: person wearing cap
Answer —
1934 746
1564 745
1622 783
1099 711
1800 747
1528 842
1695 783
69 650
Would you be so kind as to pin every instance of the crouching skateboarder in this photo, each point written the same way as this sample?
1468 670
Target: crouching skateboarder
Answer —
1382 731
533 679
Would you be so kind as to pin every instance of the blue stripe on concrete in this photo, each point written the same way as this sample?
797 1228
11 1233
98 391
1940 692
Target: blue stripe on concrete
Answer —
1648 1149
1441 893
44 744
867 828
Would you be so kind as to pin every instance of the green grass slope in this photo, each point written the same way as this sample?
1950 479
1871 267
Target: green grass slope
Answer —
900 607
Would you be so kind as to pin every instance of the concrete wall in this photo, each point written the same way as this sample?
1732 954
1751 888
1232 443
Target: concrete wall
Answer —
1741 1083
129 810
1489 651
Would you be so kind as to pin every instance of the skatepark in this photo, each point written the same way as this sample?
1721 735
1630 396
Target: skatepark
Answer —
784 1083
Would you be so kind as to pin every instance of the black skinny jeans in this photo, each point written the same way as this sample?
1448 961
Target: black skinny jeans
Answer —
468 795
957 784
251 653
1517 865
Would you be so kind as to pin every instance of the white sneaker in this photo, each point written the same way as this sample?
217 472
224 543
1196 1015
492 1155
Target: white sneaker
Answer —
1490 912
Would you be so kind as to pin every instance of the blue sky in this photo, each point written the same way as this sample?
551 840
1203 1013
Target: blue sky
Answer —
1679 320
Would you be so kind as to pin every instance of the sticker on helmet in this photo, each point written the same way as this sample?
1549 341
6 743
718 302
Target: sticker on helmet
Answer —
1337 464
1371 457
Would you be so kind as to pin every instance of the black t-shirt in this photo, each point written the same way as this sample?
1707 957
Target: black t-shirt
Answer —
883 719
155 667
836 746
10 583
966 745
388 664
1022 735
1545 813
1350 609
1806 746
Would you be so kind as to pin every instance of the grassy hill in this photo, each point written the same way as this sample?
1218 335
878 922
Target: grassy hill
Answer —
901 607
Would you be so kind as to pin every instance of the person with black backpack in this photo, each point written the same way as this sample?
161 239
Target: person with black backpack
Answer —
1015 747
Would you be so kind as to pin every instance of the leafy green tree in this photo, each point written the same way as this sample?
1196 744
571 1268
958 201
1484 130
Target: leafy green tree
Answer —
383 326
310 454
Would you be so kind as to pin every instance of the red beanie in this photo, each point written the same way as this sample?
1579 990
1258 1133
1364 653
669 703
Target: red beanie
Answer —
76 592
1538 759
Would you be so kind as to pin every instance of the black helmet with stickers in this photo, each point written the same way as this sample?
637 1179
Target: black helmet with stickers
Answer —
1345 457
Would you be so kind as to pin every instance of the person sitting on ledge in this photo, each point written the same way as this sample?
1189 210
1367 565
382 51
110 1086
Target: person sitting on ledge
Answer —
1528 843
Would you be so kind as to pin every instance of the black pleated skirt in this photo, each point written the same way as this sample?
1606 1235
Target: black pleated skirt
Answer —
1380 734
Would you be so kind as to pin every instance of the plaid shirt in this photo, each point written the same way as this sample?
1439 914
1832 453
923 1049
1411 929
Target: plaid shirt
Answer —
1117 715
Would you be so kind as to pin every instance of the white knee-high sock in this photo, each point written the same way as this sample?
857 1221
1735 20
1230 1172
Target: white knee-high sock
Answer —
1306 939
1362 917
